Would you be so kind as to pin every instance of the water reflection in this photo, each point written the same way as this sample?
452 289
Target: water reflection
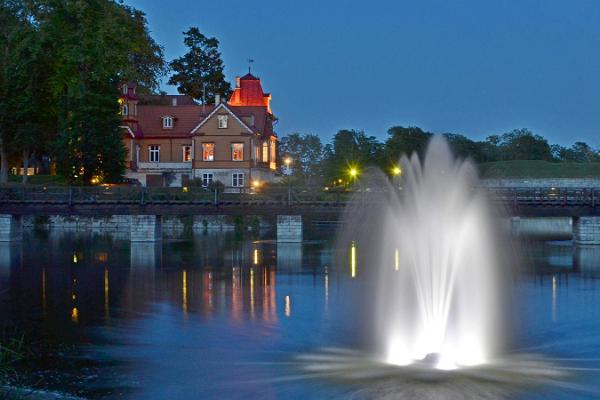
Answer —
193 319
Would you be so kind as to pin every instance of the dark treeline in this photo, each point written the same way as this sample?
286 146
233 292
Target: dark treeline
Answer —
61 64
314 161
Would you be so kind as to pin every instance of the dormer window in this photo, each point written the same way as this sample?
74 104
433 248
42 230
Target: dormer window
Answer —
124 110
167 122
125 89
222 121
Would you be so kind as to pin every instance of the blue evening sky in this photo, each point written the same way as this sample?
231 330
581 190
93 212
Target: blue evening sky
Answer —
476 67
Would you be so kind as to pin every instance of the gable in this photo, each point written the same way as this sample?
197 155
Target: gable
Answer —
210 124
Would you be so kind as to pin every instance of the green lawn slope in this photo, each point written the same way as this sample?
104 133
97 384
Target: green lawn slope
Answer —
538 169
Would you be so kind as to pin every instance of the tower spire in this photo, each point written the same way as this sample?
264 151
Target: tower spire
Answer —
250 61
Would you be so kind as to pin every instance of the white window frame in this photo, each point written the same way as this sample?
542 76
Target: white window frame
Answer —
167 122
233 152
237 179
183 151
213 154
154 150
125 110
207 178
222 121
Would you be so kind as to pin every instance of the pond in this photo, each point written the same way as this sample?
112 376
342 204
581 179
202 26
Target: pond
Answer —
219 316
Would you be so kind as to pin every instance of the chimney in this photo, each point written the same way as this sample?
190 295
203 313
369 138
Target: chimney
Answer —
217 99
174 101
237 81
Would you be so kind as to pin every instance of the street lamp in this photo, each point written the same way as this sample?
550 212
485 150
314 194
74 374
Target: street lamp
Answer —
287 161
396 170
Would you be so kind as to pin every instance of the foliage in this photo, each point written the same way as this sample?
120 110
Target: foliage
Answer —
199 73
63 61
217 186
405 141
306 154
350 149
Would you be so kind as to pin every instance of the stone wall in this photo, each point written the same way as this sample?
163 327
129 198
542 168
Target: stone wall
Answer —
586 231
120 225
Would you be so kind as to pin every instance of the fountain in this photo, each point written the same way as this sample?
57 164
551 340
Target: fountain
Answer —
435 286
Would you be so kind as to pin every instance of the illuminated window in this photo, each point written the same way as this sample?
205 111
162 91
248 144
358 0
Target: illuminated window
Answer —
208 151
207 179
237 179
154 153
222 120
125 110
237 151
167 122
265 152
187 153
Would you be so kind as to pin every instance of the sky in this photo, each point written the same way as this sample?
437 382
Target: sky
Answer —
475 67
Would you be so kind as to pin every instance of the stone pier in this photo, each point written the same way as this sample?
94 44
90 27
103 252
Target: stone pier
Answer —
586 231
289 228
11 227
146 228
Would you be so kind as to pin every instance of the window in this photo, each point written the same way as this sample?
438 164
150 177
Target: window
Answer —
207 179
208 151
135 109
124 110
125 89
167 122
237 179
187 153
237 151
222 120
154 153
265 152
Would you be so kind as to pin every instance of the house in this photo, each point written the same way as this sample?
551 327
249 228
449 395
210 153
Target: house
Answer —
170 139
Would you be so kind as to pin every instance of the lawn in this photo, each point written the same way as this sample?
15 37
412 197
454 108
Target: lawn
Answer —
538 169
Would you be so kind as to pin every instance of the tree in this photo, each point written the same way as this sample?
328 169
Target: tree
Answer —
306 153
199 73
92 47
522 144
405 141
351 149
580 152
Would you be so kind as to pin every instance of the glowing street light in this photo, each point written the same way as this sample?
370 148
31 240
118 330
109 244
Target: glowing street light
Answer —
287 161
353 172
396 170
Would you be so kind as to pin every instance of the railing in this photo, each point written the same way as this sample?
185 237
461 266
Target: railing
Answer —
230 196
189 195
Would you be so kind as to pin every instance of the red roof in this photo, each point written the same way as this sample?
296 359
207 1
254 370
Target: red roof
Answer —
249 92
247 100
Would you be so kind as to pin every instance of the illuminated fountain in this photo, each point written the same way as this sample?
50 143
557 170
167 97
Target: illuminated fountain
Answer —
435 284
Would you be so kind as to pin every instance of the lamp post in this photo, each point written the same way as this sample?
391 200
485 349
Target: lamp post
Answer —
288 162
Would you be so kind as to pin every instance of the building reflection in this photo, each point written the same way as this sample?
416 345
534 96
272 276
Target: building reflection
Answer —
289 257
587 260
10 257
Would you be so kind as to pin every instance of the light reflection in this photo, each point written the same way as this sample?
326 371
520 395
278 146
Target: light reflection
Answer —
44 289
75 259
252 292
184 304
397 260
288 306
353 260
554 298
255 256
106 294
75 315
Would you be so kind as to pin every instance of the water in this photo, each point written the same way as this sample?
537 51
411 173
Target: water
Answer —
220 317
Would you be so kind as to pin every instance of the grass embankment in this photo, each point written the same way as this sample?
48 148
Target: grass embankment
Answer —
538 169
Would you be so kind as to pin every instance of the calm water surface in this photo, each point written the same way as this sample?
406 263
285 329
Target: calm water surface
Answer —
223 317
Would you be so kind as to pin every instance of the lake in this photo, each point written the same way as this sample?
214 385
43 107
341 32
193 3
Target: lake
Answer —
225 316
